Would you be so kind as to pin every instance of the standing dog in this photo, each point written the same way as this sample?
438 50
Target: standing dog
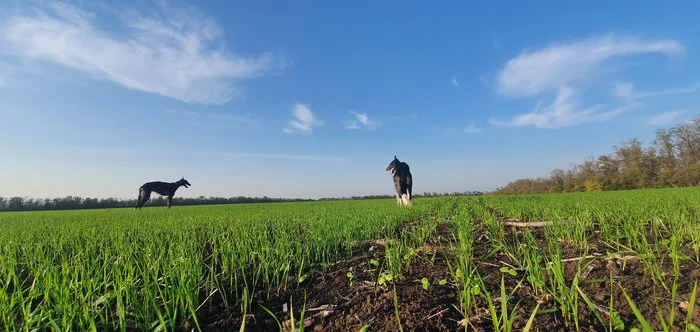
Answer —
403 181
162 188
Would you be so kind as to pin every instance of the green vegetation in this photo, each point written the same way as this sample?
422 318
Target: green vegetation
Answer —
624 259
672 160
113 269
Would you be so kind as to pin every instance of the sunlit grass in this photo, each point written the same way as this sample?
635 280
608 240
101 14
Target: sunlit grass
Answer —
657 227
118 269
152 269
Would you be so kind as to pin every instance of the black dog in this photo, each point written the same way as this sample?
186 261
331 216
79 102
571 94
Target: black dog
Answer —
403 181
162 188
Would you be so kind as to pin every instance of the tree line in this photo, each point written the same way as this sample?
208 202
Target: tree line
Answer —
672 159
77 202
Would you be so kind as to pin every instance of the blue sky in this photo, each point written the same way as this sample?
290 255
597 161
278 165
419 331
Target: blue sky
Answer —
313 99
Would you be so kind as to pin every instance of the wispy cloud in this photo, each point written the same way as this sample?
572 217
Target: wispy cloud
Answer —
627 91
554 66
562 69
304 120
473 129
565 111
362 122
454 82
171 52
624 90
665 118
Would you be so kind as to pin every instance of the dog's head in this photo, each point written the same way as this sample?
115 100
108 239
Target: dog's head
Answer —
184 182
393 165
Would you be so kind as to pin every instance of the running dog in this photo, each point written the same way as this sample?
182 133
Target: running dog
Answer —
403 181
162 188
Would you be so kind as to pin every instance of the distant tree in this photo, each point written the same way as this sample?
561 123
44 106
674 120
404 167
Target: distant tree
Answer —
558 176
15 204
593 185
673 159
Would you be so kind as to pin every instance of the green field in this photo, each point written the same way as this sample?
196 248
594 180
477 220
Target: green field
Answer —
608 260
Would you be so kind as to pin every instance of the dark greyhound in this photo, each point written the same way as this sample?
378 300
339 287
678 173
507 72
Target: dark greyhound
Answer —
162 188
403 181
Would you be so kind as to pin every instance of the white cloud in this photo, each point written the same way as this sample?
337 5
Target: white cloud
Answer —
362 122
562 69
624 90
169 52
665 118
454 82
304 121
548 69
627 91
565 111
473 129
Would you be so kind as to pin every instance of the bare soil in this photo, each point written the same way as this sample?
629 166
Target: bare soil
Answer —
336 302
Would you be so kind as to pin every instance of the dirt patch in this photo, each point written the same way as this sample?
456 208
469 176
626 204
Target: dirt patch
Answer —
604 275
347 297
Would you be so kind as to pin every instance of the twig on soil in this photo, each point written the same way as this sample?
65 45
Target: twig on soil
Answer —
580 258
595 255
528 224
574 259
604 310
474 319
511 266
323 307
438 313
309 320
622 258
516 223
354 298
588 271
483 236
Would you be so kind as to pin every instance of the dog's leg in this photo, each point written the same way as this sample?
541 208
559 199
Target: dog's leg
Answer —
139 200
397 187
409 187
170 201
146 197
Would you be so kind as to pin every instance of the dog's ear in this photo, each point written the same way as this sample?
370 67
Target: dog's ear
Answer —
395 157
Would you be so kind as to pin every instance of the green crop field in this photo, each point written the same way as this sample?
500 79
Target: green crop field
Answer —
607 260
